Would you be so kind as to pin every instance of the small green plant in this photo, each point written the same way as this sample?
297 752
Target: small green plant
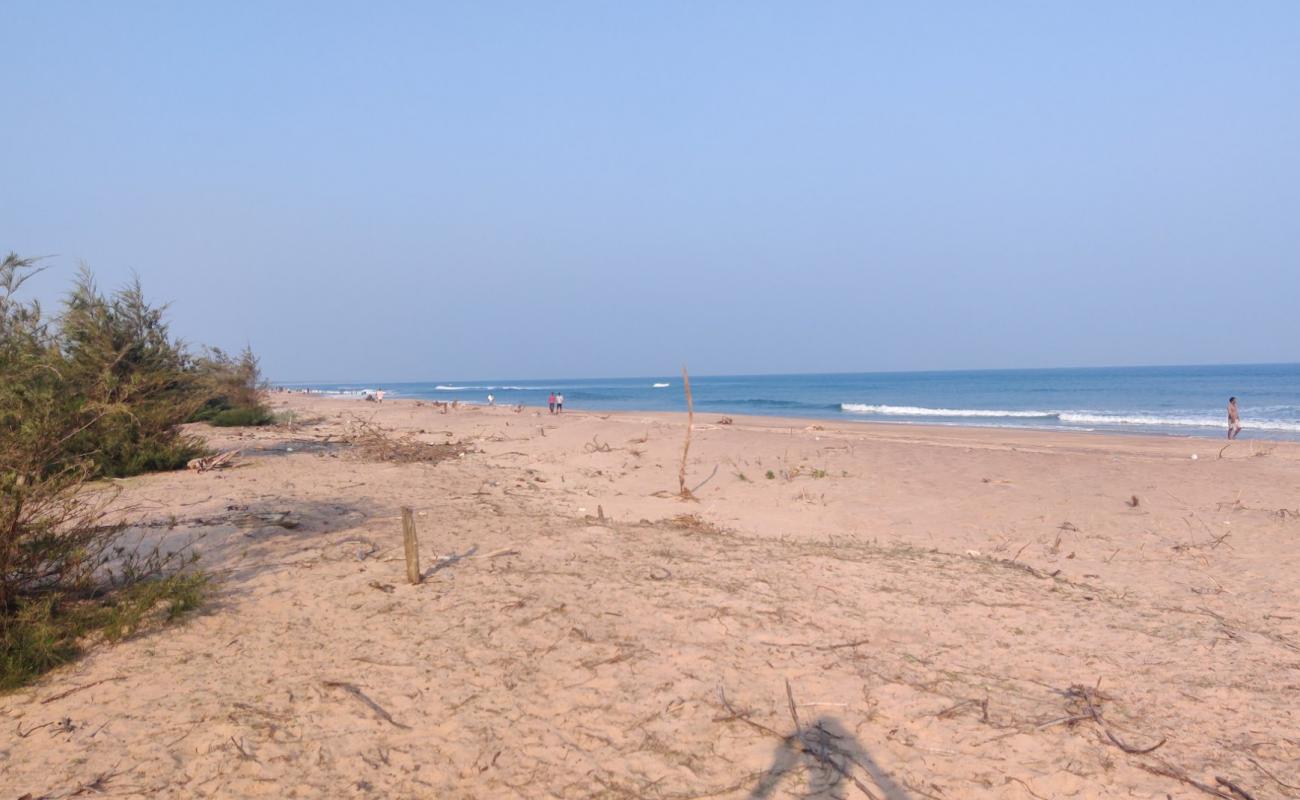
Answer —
818 473
771 476
741 476
49 631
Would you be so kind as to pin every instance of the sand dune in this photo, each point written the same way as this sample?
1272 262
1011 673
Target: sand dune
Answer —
957 613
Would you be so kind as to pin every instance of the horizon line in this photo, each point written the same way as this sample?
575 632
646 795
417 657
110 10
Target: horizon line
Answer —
810 374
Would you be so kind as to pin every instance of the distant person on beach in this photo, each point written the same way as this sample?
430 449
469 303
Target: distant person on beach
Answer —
491 400
1234 419
559 403
552 402
379 395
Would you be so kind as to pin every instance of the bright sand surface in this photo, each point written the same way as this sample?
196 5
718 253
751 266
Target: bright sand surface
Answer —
931 596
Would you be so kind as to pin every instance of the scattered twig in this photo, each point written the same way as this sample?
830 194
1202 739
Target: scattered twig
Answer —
1275 778
596 446
244 754
1166 771
1232 787
371 704
706 480
76 689
24 734
1085 694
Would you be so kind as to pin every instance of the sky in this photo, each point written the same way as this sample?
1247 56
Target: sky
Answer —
414 191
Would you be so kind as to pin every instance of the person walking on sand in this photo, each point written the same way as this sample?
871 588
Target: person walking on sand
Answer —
559 403
379 395
552 402
1234 419
491 400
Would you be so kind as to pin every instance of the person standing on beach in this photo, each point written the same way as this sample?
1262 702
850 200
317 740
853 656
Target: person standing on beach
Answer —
559 403
552 402
379 395
1234 419
491 400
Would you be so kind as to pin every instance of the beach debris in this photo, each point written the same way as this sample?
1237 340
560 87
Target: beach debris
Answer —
1133 502
596 446
725 421
371 704
256 519
82 687
1091 699
218 461
375 443
700 485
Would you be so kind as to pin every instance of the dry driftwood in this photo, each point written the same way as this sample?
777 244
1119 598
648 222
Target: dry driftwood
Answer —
375 443
218 461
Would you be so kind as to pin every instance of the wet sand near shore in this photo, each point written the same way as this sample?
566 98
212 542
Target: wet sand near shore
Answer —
842 610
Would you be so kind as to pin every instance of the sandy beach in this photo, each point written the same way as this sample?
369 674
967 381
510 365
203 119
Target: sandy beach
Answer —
845 610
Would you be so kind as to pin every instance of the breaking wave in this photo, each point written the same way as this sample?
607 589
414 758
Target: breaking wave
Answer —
1136 419
915 411
442 388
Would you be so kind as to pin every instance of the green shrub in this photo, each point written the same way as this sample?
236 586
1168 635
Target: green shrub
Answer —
233 390
100 391
242 417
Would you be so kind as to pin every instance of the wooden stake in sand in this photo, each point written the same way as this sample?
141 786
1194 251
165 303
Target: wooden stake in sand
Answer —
690 423
412 546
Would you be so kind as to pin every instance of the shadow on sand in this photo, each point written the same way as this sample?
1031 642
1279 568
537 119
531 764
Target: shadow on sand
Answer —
832 758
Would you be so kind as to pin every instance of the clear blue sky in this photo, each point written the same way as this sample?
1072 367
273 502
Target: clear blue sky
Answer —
415 191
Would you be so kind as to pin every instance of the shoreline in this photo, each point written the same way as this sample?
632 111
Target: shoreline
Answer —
878 428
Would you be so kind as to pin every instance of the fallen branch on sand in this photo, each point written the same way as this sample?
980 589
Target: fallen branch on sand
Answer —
76 689
219 461
371 704
596 446
700 485
1166 770
1087 695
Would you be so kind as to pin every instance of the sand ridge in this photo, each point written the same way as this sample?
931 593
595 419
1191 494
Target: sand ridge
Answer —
949 608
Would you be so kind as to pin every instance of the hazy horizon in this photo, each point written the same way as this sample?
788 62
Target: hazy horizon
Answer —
403 190
677 374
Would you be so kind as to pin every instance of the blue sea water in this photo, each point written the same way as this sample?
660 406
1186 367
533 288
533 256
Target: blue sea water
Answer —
1184 401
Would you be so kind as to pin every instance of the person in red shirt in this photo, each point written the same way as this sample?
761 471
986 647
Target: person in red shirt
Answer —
552 402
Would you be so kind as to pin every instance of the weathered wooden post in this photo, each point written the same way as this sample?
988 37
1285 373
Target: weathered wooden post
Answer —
412 546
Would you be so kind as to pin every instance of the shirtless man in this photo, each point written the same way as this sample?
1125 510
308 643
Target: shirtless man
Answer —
1234 419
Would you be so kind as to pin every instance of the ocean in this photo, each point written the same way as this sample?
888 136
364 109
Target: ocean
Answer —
1175 401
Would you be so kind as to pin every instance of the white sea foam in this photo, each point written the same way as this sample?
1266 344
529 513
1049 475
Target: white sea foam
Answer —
914 411
442 388
661 386
1072 418
1091 418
